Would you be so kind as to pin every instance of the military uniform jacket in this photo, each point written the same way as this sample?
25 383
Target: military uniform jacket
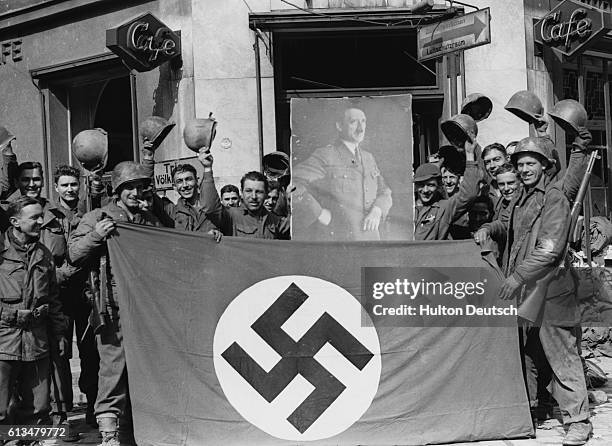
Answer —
266 225
26 285
86 246
333 178
536 226
433 221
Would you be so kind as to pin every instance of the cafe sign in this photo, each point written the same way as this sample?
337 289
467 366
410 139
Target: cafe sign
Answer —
144 43
570 27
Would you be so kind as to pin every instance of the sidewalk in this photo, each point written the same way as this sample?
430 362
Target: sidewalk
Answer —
550 433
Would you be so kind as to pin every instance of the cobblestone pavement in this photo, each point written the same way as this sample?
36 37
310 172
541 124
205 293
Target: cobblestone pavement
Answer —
549 433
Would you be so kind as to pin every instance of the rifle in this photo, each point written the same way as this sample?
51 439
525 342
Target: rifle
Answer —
532 307
98 298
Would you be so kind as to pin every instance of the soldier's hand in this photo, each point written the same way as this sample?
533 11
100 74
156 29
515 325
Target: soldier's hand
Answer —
372 220
470 148
7 150
583 138
62 346
105 226
325 217
509 287
481 236
205 157
216 234
147 150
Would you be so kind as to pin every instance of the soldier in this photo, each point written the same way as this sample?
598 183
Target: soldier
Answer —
230 196
29 311
193 210
87 244
60 220
340 193
272 196
508 183
252 220
30 180
434 213
536 226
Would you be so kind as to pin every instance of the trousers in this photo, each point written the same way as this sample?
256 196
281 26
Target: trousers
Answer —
30 380
551 358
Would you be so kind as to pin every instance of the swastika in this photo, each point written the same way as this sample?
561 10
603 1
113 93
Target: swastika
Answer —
298 357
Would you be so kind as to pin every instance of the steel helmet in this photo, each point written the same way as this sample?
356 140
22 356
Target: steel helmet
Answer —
200 133
276 165
90 147
460 128
5 137
569 114
127 171
426 171
155 129
526 105
477 105
535 145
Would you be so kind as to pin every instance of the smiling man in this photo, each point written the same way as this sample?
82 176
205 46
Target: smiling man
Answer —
536 226
198 207
340 193
31 321
434 212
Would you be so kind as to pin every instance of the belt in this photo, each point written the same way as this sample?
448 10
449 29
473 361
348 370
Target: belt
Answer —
24 318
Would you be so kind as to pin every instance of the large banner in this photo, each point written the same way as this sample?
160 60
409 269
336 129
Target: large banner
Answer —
263 343
352 168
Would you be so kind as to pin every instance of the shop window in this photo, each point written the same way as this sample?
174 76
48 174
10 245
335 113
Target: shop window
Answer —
570 84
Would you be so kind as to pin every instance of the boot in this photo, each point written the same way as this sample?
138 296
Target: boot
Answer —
578 433
60 420
108 424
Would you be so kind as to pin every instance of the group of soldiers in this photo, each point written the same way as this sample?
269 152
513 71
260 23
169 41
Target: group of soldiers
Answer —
55 273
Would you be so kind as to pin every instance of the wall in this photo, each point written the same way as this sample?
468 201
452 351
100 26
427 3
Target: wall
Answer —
498 70
225 84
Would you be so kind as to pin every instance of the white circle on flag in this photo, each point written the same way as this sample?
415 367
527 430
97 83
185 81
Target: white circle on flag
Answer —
360 382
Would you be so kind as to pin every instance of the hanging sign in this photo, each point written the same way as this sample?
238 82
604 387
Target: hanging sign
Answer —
456 34
144 43
570 27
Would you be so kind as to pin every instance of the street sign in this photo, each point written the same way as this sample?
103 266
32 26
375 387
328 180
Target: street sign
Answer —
163 170
456 34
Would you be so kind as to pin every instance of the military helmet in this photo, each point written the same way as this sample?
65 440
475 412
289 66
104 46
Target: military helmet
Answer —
526 105
426 171
570 115
459 129
90 147
534 145
200 133
127 171
155 129
5 137
477 105
276 165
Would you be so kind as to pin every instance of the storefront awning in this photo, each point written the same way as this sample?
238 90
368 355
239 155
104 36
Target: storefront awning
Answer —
328 19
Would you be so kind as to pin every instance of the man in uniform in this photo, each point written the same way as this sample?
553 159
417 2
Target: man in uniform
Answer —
339 192
9 163
434 213
230 196
193 210
536 226
87 245
251 219
61 219
30 314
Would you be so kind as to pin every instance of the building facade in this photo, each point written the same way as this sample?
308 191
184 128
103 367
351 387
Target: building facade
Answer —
244 60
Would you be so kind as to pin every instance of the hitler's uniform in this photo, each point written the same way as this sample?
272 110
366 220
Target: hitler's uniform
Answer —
348 184
29 313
